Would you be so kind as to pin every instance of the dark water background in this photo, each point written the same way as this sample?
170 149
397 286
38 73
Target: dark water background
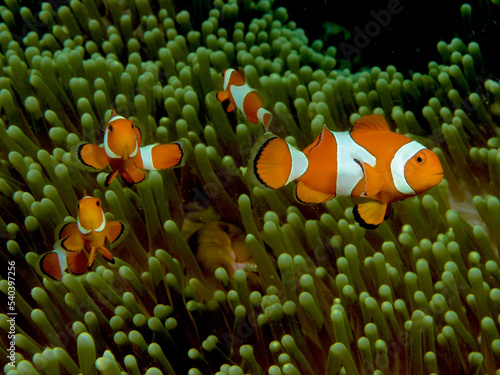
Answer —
409 40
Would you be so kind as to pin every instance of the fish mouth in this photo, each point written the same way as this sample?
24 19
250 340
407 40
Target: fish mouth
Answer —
437 178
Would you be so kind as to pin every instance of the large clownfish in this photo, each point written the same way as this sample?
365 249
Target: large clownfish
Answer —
368 161
88 233
238 94
122 151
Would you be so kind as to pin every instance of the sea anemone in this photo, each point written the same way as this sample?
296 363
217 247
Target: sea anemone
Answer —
317 293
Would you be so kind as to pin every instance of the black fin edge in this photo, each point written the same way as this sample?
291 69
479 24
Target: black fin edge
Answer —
360 221
300 200
45 273
117 237
78 154
256 159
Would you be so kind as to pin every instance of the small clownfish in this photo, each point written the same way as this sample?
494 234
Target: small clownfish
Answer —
89 233
122 151
237 94
368 161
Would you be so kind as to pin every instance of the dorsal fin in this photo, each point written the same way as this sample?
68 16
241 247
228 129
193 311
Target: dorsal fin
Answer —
371 123
325 135
373 179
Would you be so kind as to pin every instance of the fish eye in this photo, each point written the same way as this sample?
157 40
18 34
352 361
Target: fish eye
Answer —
78 206
420 158
110 128
98 203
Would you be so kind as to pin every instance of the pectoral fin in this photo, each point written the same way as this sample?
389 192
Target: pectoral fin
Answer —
370 215
66 229
115 230
73 242
372 179
91 157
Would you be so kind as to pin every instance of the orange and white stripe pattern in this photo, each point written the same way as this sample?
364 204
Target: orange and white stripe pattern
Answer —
119 141
87 235
369 161
238 94
164 156
123 152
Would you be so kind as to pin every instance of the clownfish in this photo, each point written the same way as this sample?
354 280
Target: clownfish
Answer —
88 233
368 161
238 94
122 151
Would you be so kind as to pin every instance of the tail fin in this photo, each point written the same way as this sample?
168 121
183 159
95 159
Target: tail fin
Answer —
162 156
265 117
276 163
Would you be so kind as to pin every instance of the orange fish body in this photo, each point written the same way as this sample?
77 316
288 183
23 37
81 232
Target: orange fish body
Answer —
368 161
238 94
123 152
88 233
